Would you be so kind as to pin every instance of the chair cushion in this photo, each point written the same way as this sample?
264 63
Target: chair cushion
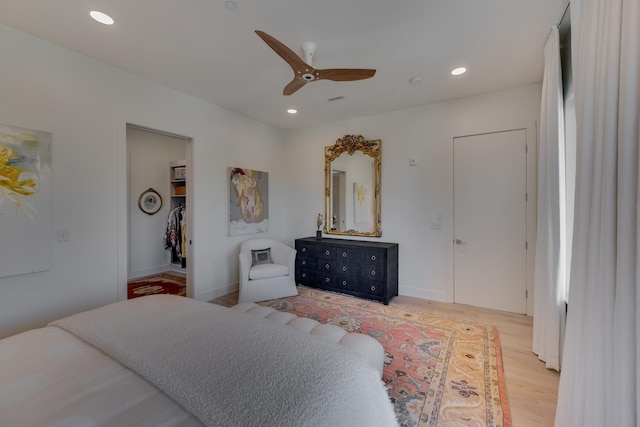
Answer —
267 271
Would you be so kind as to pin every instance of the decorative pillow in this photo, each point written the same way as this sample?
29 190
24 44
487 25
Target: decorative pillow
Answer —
261 256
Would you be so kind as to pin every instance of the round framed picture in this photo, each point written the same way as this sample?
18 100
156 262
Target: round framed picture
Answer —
150 201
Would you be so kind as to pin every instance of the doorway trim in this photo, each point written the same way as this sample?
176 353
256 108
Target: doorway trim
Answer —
531 130
122 207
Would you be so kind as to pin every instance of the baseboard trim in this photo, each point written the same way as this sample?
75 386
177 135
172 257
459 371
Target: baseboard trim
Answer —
217 292
408 291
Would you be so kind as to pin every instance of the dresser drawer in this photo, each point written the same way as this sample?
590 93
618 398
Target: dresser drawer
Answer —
346 269
349 254
374 289
306 277
374 257
326 266
345 283
306 263
326 280
368 287
327 252
371 272
309 250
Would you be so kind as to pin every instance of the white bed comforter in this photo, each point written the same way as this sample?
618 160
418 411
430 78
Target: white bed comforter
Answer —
224 367
49 377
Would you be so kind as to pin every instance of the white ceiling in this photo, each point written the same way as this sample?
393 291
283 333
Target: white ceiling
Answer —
204 49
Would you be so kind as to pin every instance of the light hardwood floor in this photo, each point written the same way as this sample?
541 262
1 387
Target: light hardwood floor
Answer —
532 389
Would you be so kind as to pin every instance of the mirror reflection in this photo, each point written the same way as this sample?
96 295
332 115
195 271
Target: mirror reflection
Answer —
352 184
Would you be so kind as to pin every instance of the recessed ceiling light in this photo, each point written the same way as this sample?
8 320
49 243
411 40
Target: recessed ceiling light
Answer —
458 71
231 5
101 17
292 111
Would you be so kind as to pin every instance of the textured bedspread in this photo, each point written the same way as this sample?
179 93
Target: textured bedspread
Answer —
49 377
228 369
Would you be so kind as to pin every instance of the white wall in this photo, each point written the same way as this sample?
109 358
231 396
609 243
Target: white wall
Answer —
86 105
148 157
413 196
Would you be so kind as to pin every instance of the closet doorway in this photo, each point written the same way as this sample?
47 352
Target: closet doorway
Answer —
158 215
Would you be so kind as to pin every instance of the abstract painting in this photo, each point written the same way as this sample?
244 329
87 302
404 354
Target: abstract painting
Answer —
248 201
25 200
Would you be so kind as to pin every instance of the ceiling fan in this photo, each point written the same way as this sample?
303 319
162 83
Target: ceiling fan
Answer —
303 70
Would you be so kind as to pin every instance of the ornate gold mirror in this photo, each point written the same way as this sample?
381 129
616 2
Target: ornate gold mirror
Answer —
352 187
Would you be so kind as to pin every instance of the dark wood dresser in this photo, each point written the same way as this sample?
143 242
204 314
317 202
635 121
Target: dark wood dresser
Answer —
359 268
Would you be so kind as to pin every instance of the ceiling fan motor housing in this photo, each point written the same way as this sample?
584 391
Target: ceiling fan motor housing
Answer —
309 49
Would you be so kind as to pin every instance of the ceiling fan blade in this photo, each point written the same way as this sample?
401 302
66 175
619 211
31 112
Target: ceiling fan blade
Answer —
293 86
345 74
287 54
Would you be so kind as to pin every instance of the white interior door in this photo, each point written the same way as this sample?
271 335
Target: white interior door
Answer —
490 221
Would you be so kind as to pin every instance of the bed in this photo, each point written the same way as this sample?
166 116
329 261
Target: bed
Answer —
171 361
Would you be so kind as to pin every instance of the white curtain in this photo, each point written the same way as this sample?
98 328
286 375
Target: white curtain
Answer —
551 245
598 383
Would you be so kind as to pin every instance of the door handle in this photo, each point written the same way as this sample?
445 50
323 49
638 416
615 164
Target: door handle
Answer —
458 242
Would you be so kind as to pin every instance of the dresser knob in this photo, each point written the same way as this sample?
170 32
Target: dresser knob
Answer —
304 274
373 288
344 268
344 283
304 262
327 280
326 252
373 272
373 257
344 254
326 266
304 249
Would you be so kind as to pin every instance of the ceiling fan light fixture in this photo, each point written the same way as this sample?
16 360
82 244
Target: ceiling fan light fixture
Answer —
458 71
101 17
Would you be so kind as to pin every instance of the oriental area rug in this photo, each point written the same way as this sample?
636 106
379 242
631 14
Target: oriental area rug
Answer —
162 283
439 371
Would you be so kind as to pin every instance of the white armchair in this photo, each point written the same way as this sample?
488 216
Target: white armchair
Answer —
266 275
